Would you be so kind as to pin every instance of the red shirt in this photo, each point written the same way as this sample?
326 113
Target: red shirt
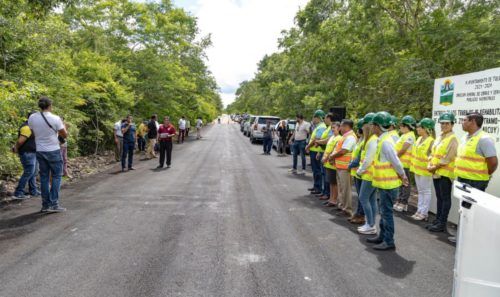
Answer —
162 131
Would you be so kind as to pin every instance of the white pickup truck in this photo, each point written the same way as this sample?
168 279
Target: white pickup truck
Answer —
477 259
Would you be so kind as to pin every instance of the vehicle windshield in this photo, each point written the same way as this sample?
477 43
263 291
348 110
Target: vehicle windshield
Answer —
273 121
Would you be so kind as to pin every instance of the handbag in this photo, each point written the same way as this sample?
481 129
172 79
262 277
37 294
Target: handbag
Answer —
61 139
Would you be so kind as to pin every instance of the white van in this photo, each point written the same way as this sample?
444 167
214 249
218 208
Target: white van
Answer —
477 259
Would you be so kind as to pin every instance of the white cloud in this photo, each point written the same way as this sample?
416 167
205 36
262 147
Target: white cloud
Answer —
243 31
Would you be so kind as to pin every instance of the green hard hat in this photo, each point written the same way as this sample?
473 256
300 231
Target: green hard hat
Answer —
368 119
409 121
319 114
447 117
394 120
382 119
360 124
426 123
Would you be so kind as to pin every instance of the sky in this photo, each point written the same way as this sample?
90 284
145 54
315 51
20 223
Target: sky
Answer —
242 32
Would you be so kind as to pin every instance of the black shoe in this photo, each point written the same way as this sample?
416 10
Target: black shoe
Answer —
376 240
311 189
315 192
439 227
431 224
159 167
384 247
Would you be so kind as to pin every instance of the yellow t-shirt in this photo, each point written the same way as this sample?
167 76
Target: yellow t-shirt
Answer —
25 131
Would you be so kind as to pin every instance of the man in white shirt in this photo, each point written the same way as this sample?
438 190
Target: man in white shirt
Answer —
118 135
199 124
298 142
49 132
182 130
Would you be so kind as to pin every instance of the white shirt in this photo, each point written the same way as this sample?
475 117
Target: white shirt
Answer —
349 142
301 131
182 124
199 123
45 137
118 129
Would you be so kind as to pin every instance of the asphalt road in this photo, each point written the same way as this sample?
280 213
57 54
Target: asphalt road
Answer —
223 221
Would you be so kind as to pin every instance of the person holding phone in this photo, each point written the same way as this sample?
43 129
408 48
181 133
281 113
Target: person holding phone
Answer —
165 134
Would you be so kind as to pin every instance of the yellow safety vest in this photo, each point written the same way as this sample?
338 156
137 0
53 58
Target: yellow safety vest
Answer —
368 174
384 175
419 158
406 157
323 137
439 150
356 154
469 164
313 148
332 142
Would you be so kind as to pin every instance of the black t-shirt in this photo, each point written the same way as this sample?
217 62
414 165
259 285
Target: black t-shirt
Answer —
283 131
152 130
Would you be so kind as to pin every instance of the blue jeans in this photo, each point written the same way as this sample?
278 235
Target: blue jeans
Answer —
316 169
357 184
299 147
368 199
28 160
268 144
387 199
326 183
128 151
51 165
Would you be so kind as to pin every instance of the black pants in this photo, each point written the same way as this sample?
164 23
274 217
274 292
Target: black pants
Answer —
443 187
478 184
165 148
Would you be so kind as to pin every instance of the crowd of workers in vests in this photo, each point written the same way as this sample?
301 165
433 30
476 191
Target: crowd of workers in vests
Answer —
42 149
380 159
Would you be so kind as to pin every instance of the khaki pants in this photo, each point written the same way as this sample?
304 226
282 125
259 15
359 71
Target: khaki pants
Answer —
345 189
119 149
151 148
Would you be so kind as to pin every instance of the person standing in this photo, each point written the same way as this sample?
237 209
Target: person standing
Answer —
49 132
165 135
342 156
188 127
330 171
25 147
267 138
359 215
129 138
404 148
118 135
182 130
282 137
419 161
388 175
476 155
152 137
141 136
367 192
298 142
199 125
442 166
321 144
315 152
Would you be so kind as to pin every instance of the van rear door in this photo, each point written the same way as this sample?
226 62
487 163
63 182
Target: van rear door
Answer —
477 258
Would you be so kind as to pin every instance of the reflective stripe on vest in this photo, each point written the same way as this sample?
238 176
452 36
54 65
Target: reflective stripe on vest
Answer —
343 161
439 150
329 149
384 175
314 136
469 164
420 159
368 174
406 157
355 154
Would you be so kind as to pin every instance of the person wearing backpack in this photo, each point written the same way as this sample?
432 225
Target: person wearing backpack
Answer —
50 132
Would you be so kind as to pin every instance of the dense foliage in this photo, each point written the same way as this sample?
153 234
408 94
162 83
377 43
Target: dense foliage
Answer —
372 55
99 60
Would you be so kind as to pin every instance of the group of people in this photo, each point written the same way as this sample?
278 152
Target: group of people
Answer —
151 137
381 154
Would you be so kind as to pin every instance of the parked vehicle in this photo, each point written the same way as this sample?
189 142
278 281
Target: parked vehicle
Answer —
256 133
291 127
246 126
477 272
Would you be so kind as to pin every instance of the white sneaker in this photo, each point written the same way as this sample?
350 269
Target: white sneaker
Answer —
364 226
368 230
300 171
291 170
415 215
420 217
395 206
